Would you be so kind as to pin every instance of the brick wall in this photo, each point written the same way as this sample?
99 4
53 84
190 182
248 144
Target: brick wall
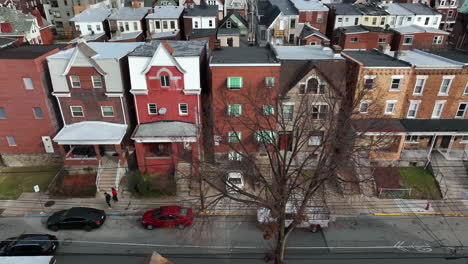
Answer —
311 17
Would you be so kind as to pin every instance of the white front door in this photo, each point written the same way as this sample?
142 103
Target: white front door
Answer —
49 148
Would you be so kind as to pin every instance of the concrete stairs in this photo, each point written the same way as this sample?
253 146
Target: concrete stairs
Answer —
454 178
107 179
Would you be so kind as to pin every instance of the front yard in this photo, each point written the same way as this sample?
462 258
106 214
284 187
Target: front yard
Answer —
16 180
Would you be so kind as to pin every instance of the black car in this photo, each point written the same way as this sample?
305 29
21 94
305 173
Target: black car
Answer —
29 245
76 218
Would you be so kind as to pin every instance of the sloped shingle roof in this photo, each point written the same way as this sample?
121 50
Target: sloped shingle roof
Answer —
92 15
128 13
21 23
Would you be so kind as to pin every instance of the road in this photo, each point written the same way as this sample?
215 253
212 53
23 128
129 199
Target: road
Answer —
426 238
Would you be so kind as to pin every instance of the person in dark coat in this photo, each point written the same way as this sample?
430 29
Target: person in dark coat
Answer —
114 195
108 198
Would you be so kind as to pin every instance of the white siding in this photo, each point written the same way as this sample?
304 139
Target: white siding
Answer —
345 23
203 22
84 27
192 76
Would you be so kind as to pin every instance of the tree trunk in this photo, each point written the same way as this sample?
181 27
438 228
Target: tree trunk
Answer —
280 242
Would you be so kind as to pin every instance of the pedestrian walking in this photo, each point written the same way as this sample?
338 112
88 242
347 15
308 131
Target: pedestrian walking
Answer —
108 198
114 195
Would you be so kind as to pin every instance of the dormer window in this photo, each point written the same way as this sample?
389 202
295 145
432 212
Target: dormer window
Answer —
165 82
228 24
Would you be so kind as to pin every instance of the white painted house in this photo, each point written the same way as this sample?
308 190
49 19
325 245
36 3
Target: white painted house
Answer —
164 22
425 16
92 21
399 16
346 15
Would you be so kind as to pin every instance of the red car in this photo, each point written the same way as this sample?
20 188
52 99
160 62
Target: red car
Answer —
168 216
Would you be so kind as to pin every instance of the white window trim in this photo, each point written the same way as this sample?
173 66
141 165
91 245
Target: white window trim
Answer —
413 102
92 80
25 86
420 77
180 112
102 110
365 101
386 106
8 141
155 105
441 109
71 110
408 44
463 141
412 142
399 77
465 92
71 81
319 143
446 77
464 113
35 115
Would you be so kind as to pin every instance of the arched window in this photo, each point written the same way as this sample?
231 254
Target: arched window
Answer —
313 86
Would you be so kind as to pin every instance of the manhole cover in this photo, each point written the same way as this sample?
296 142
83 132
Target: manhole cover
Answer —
49 203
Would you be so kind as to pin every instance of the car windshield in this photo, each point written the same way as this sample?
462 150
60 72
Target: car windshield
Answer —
183 211
156 212
235 181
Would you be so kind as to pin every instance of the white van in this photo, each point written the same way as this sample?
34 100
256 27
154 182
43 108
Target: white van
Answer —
28 260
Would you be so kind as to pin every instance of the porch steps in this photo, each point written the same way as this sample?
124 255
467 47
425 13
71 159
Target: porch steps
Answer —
455 177
107 180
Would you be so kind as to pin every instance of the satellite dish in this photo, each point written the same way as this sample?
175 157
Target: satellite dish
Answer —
162 111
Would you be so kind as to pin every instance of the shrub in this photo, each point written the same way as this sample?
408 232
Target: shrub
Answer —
154 184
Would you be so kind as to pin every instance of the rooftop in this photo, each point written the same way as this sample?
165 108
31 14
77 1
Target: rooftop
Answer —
362 29
128 13
202 10
396 9
228 31
104 50
268 13
307 30
286 7
89 37
27 51
456 55
181 48
6 42
419 29
166 129
202 32
435 125
125 36
22 23
423 59
420 9
242 55
378 125
91 132
309 5
371 10
167 34
345 9
307 52
166 12
92 15
374 58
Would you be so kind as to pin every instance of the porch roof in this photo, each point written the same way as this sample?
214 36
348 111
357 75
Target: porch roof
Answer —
165 131
381 125
436 126
91 133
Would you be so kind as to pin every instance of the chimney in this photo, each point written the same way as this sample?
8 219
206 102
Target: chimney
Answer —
397 54
326 43
384 48
150 11
167 46
217 44
336 49
38 16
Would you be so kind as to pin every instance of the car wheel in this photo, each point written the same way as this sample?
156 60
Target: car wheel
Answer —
180 226
53 228
88 228
149 227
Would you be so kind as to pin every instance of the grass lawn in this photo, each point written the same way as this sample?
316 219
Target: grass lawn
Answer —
421 182
14 181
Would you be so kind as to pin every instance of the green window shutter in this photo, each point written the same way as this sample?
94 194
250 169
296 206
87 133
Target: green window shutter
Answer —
268 110
234 110
234 82
269 81
266 136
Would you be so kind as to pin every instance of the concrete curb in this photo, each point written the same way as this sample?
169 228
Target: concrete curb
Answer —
47 215
421 214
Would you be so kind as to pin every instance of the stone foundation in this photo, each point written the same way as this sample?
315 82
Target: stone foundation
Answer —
31 160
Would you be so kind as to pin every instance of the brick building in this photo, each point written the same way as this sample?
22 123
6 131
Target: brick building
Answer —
458 37
417 37
362 37
127 24
200 23
165 22
28 117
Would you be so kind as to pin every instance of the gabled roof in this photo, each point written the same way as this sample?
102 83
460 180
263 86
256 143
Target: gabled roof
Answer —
345 9
309 5
464 7
268 13
418 29
104 50
128 13
237 15
181 48
420 9
92 15
286 7
371 10
202 32
374 58
21 23
308 31
396 9
166 12
202 10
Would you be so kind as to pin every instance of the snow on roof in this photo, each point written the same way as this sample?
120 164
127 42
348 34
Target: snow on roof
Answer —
128 13
104 50
92 15
307 52
419 29
166 12
423 59
309 5
91 132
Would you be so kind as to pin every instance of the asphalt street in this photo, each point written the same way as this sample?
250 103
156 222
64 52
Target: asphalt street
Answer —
413 239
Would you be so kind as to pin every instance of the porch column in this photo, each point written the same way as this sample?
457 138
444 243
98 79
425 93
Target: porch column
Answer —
118 149
401 144
450 145
434 139
62 152
175 152
98 152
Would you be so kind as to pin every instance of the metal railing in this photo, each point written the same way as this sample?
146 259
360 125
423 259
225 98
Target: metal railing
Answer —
118 176
98 175
439 176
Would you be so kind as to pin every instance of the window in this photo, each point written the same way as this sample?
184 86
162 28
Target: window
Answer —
353 40
28 84
266 136
293 23
313 43
77 111
413 109
382 21
127 26
98 27
233 155
97 81
11 141
396 81
234 83
356 21
164 24
319 18
172 24
419 19
408 40
464 139
268 110
426 22
77 27
364 107
319 111
453 2
56 14
346 19
228 24
234 136
263 34
165 82
135 26
438 107
411 139
89 28
340 19
314 87
392 21
195 24
210 23
75 81
450 13
269 81
419 85
157 24
315 141
152 109
442 3
374 21
183 109
382 40
390 107
288 111
465 92
2 113
436 20
461 110
65 2
107 111
234 110
445 86
38 113
369 82
437 40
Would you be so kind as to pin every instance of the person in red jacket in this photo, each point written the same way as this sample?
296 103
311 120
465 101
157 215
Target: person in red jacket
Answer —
114 195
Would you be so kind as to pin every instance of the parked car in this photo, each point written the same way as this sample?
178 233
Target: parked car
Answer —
234 181
76 218
168 216
29 245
